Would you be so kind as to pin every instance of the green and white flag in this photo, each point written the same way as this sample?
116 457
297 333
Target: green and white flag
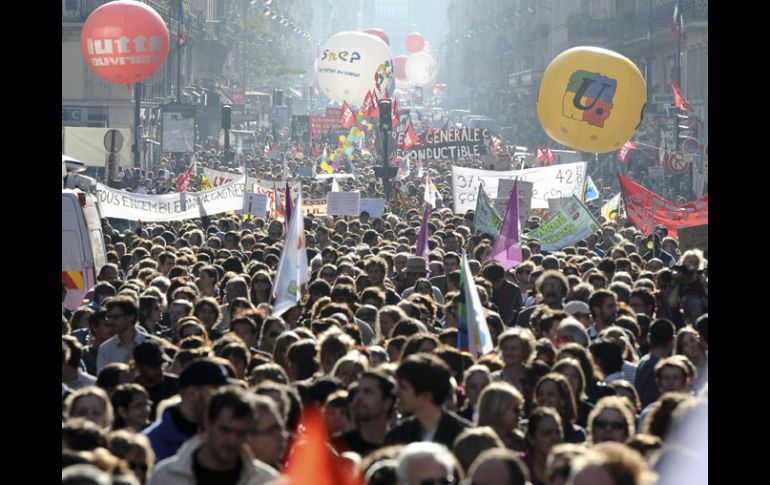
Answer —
611 209
486 218
572 223
590 192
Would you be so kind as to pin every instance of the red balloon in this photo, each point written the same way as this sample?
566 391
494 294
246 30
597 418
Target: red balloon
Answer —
124 42
415 42
399 67
379 33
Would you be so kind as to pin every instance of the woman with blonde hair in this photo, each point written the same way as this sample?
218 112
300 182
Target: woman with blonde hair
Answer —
611 420
91 403
500 407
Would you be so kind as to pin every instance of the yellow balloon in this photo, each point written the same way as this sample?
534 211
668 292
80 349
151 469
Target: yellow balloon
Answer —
591 99
343 138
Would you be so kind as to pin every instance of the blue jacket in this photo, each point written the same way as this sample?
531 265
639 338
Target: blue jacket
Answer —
165 436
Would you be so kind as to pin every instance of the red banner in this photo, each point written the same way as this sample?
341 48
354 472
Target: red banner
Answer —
646 209
321 125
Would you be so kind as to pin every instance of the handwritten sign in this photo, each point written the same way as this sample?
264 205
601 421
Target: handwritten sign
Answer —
343 203
375 207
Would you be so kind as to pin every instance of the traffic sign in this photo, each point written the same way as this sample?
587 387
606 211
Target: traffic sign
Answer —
677 163
690 145
113 141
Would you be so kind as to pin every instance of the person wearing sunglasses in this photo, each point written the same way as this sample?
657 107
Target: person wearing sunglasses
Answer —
427 463
611 420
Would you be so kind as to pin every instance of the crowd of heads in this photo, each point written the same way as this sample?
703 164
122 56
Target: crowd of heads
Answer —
176 361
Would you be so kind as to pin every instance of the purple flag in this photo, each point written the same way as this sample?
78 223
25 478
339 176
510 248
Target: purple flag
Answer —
507 248
422 238
289 205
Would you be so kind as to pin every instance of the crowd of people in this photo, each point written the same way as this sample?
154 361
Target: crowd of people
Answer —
175 370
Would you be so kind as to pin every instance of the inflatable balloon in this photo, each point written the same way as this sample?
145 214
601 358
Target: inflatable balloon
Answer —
415 42
379 33
399 67
351 64
591 99
421 68
124 42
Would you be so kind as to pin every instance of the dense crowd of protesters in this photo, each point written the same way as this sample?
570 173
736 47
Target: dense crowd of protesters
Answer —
174 369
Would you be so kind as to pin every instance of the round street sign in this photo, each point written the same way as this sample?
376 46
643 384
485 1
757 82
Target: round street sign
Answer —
690 145
113 141
677 163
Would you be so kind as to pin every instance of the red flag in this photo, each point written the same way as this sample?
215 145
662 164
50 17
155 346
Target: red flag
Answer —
679 100
677 28
549 156
411 137
639 203
183 182
625 150
539 154
368 105
347 117
312 462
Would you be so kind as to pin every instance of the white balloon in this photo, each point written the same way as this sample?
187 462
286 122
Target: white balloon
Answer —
352 63
421 68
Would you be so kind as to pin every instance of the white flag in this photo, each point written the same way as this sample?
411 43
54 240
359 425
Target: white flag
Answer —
292 270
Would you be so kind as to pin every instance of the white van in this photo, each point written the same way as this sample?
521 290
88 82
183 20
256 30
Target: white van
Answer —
82 248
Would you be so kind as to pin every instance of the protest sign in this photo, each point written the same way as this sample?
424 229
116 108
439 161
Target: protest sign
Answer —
255 204
570 224
375 207
504 189
218 177
343 203
548 182
695 237
314 207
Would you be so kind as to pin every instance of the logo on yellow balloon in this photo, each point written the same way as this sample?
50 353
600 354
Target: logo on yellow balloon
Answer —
588 97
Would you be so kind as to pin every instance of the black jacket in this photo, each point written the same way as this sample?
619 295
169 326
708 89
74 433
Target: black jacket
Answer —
449 426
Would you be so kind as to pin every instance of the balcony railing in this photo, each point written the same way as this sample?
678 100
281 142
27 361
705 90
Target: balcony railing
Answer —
659 20
636 25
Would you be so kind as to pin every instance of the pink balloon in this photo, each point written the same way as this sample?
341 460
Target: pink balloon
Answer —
415 42
379 33
399 67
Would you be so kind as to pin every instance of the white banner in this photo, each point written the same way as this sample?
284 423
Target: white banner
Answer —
548 182
169 207
218 177
339 176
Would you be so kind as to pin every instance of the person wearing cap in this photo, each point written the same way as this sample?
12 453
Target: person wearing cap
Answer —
580 311
149 358
180 422
416 268
219 454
